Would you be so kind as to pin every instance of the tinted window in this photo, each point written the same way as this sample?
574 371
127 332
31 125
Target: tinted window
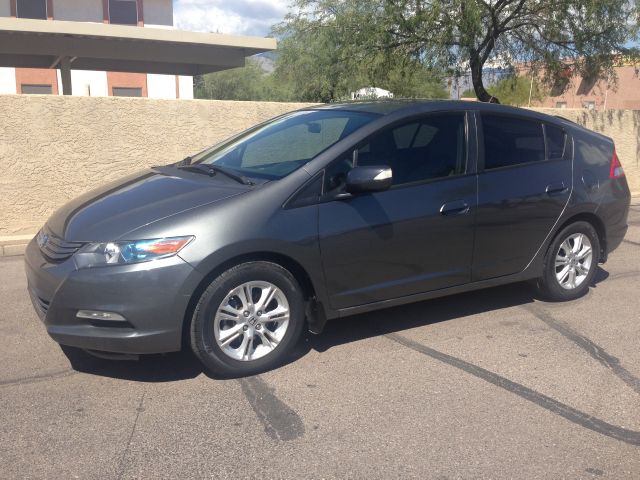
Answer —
511 141
556 139
309 194
335 176
279 147
433 147
32 9
429 148
123 12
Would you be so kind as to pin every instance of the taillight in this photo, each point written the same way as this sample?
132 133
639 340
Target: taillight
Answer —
616 167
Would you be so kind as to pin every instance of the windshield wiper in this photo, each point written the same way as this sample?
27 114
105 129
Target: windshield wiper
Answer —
211 170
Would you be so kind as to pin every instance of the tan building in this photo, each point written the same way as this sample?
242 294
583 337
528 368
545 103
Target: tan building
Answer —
109 48
139 13
600 95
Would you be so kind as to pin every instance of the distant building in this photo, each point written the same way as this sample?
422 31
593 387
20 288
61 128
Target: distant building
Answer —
368 93
138 13
599 95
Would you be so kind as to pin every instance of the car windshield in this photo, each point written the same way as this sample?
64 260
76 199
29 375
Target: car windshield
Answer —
277 148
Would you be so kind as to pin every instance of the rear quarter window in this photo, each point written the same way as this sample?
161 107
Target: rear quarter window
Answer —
556 141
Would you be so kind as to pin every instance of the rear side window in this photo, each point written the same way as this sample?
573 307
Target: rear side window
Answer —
511 141
556 141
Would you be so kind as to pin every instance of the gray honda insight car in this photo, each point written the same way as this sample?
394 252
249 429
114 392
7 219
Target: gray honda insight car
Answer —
322 213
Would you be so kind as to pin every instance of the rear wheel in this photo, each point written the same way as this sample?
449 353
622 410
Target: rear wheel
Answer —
248 319
571 263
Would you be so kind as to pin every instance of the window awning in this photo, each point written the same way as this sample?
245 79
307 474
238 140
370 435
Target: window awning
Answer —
120 48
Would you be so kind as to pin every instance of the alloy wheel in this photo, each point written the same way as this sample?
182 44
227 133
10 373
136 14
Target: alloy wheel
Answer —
251 320
573 261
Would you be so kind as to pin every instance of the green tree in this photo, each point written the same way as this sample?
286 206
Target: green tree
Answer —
247 83
514 90
325 54
552 36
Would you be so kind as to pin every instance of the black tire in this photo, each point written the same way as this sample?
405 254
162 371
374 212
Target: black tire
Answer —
203 340
548 285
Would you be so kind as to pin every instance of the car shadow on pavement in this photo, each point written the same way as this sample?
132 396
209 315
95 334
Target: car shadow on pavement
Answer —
184 365
396 319
168 367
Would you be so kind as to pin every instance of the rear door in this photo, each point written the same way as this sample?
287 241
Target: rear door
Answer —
415 237
524 183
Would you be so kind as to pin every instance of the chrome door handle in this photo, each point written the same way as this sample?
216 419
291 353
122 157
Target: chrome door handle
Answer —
555 189
458 207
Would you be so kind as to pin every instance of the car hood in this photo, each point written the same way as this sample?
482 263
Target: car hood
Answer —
113 210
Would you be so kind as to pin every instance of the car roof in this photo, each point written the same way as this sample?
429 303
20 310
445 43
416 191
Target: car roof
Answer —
408 107
380 107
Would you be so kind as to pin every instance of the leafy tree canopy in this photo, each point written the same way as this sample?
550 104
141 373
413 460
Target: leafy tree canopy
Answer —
247 83
325 52
555 37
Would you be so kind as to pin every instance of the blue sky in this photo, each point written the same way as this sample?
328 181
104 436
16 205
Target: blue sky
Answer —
239 17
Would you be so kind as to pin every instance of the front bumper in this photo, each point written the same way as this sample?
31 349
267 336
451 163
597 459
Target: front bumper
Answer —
152 296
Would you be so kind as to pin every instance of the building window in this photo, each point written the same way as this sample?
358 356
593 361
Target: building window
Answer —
589 105
561 104
36 89
123 12
31 9
126 91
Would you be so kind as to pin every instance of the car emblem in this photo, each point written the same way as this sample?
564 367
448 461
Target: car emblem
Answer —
42 239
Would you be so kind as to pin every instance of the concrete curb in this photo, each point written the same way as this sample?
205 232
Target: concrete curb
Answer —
14 245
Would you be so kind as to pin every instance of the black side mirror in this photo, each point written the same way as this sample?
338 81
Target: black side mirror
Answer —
369 179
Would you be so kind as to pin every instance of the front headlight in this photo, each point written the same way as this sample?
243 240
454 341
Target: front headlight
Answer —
121 253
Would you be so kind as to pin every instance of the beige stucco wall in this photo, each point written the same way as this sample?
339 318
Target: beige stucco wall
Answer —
54 148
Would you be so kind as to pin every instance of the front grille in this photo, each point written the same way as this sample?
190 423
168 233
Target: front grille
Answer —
56 249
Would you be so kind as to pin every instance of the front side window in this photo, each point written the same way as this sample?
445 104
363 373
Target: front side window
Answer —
31 9
429 148
123 12
511 141
277 148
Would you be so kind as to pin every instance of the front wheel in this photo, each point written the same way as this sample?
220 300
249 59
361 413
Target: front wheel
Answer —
571 263
248 319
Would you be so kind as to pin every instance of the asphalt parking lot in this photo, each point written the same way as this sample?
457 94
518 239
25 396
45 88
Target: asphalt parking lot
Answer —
490 384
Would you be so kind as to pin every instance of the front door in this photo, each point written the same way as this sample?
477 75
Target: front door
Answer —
413 238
